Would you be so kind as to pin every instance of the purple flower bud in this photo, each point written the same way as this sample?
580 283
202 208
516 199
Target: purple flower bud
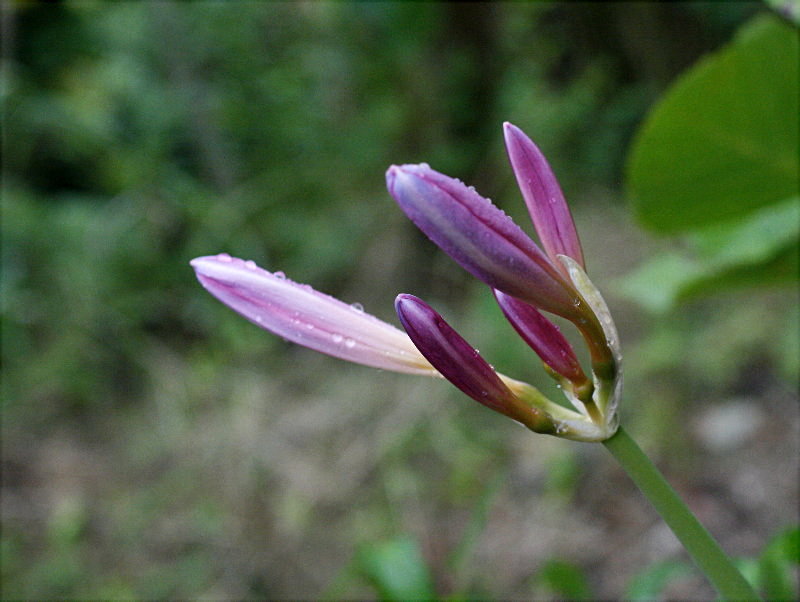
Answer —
543 337
479 236
461 364
304 316
549 211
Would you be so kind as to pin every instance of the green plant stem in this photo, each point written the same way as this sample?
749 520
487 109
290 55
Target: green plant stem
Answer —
703 549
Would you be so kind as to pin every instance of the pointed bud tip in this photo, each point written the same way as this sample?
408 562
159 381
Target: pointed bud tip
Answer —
410 309
509 129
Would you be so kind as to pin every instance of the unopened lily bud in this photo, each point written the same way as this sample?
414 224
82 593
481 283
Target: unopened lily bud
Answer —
542 193
546 340
302 315
480 237
462 365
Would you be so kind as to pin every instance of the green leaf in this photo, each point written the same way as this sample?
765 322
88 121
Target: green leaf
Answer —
775 567
564 579
651 582
660 282
724 139
755 250
396 569
751 240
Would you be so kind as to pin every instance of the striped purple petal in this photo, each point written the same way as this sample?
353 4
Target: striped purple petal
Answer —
479 236
302 315
546 204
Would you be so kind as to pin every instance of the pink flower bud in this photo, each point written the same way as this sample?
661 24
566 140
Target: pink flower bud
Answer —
480 237
546 204
302 315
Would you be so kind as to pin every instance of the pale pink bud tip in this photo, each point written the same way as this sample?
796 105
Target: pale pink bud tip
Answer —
302 315
546 204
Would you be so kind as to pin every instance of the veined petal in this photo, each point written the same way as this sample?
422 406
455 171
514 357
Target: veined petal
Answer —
462 365
543 337
546 204
479 236
302 315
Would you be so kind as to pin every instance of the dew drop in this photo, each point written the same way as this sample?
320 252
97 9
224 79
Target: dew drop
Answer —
424 165
349 343
279 275
337 338
224 257
358 307
250 264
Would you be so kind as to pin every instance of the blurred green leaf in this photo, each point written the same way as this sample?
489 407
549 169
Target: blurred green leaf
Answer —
651 582
757 249
751 240
658 283
564 579
724 139
776 566
396 569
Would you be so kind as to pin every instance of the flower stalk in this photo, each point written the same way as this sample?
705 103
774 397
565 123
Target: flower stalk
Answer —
701 546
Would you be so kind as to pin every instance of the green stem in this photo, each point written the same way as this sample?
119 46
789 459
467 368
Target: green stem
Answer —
703 549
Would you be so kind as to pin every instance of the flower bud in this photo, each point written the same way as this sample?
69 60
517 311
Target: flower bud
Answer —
544 338
302 315
480 237
542 193
462 365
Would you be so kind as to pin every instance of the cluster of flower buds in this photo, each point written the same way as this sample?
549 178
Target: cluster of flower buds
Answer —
525 280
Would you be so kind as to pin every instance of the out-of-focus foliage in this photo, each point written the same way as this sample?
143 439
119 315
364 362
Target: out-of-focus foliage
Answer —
156 446
723 141
761 249
718 158
564 581
396 569
651 583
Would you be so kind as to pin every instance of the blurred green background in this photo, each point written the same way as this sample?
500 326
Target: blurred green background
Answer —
155 445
